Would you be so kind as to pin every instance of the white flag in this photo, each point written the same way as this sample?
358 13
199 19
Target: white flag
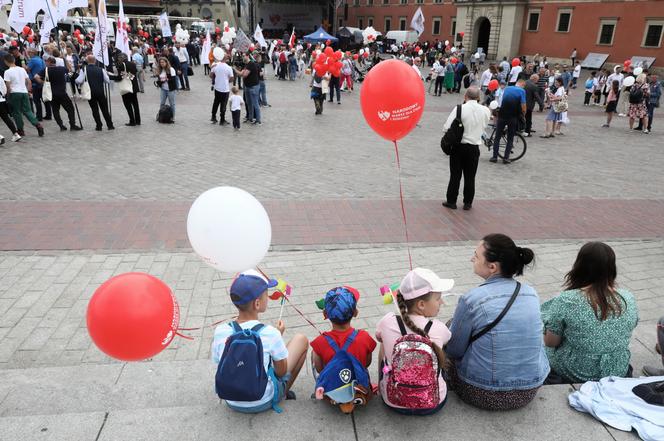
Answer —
258 36
22 13
165 25
51 17
205 51
100 47
66 5
417 22
273 45
5 2
121 37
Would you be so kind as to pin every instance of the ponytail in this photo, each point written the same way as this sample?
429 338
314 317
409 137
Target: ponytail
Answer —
501 249
404 307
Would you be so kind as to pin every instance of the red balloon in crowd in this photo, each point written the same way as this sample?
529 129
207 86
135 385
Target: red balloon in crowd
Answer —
30 39
462 34
454 60
322 58
366 55
132 316
627 63
320 69
355 56
493 85
328 42
417 49
217 30
156 39
14 43
392 99
26 30
515 62
329 51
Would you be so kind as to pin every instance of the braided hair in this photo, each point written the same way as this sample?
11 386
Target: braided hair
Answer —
404 307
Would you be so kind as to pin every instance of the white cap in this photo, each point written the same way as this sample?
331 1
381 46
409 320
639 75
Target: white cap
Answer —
421 281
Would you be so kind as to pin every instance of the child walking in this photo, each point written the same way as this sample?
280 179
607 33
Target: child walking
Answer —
236 107
414 338
612 102
237 382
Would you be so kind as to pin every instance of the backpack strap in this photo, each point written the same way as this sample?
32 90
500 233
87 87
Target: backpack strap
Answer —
257 329
332 343
236 326
458 115
402 327
350 340
427 328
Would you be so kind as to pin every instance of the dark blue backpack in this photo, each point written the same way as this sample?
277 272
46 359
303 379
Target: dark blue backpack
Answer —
240 374
343 370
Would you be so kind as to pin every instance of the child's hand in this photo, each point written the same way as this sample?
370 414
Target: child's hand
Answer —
281 327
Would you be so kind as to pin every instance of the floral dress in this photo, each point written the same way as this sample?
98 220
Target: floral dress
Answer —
591 349
638 111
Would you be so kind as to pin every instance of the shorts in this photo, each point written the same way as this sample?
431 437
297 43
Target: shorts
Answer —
611 107
282 382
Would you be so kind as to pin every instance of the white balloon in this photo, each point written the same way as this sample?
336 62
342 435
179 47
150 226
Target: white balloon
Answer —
638 71
225 24
629 81
477 55
420 52
229 229
453 49
447 42
361 51
218 53
493 105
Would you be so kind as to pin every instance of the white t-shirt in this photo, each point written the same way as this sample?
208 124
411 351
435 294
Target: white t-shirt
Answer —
417 69
236 102
514 73
16 77
164 78
474 117
486 78
222 76
273 347
577 71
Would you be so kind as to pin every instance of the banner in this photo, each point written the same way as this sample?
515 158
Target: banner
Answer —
66 5
242 42
121 37
280 16
22 13
100 47
258 36
51 17
205 50
165 25
417 22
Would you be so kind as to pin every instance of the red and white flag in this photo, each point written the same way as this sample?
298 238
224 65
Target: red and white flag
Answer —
100 46
291 41
121 37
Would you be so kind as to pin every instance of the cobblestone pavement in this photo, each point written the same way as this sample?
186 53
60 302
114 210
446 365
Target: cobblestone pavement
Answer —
295 155
44 296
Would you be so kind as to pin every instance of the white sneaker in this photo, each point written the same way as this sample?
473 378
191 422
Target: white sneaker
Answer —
621 114
2 139
16 137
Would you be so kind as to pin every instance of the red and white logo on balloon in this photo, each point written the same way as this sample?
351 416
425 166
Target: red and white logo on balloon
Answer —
384 115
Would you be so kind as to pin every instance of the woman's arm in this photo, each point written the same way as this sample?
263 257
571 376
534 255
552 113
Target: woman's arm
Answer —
552 340
461 329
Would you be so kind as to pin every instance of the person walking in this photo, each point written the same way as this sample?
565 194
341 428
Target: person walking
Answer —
96 78
18 87
512 109
222 75
532 96
639 96
139 61
36 65
128 70
250 74
612 102
4 113
58 77
183 72
465 156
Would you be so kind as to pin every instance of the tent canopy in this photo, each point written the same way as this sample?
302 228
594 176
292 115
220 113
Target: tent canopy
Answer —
319 35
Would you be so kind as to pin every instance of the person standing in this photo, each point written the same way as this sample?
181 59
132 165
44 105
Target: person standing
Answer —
18 87
576 74
36 65
639 96
335 86
465 157
167 80
514 75
236 107
512 108
221 75
573 56
532 96
183 72
139 61
96 78
439 71
128 70
612 102
59 77
250 74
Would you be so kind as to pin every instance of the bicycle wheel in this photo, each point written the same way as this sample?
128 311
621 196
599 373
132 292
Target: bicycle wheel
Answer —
519 146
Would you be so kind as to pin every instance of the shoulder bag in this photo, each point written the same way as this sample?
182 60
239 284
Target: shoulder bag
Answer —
493 324
86 92
47 91
561 105
126 85
452 138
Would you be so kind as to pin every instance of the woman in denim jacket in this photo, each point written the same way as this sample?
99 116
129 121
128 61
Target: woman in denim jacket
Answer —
504 368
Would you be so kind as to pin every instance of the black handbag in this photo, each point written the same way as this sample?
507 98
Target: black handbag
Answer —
493 324
190 71
454 134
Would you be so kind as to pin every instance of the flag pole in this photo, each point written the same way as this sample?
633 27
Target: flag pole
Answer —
107 88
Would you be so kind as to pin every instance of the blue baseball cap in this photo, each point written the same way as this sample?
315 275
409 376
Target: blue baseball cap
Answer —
248 286
340 304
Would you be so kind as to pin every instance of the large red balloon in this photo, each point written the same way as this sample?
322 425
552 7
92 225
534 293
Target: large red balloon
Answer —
515 62
133 316
392 99
493 85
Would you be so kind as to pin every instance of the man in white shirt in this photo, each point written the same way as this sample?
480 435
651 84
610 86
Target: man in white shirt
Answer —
222 74
485 79
416 66
465 156
18 87
439 70
183 56
514 75
576 74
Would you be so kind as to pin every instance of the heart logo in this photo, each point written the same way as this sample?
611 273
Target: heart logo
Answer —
275 19
344 374
384 116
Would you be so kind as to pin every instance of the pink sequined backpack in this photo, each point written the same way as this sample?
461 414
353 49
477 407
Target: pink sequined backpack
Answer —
412 380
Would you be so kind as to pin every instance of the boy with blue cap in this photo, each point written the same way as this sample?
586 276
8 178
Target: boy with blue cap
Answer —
249 295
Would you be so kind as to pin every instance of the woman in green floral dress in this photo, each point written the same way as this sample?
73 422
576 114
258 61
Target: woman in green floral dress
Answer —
589 325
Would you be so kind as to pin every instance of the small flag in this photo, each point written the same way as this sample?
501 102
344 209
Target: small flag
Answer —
165 25
291 41
258 36
121 37
417 22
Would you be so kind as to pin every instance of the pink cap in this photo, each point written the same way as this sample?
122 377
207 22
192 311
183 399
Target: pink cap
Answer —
421 281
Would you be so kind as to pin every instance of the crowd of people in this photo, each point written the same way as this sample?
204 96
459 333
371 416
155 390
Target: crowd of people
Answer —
500 347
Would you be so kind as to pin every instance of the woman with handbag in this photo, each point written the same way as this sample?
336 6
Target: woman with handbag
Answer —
498 360
167 83
559 105
128 79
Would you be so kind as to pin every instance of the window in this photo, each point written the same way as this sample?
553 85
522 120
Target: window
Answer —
564 20
607 29
436 26
453 26
533 21
360 22
341 23
386 2
419 2
356 2
403 2
653 35
402 23
388 24
437 1
369 2
370 21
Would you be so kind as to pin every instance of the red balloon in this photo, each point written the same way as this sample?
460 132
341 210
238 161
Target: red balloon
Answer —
627 63
493 85
322 58
26 30
338 55
328 42
30 39
392 99
338 65
462 34
454 60
355 57
417 49
227 29
14 43
217 30
515 62
156 39
320 70
366 55
133 316
329 51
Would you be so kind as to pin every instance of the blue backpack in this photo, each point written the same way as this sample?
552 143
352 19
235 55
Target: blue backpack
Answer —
340 376
240 374
589 83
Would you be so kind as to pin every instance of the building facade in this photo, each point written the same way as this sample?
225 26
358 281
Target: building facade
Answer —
622 29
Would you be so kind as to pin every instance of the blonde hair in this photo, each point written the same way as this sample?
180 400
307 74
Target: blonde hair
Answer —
641 78
235 90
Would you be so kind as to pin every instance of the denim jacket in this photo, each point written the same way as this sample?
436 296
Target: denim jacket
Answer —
509 357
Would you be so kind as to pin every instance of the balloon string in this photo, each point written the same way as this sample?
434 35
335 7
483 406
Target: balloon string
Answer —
303 316
206 326
403 208
183 336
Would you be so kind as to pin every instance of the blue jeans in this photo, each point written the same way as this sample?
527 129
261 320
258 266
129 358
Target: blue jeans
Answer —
262 93
184 78
502 124
254 108
170 95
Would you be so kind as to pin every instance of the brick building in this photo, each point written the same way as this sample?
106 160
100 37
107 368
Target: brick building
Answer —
621 29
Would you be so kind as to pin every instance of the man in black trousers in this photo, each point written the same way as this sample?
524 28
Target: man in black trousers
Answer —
532 96
58 76
96 78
